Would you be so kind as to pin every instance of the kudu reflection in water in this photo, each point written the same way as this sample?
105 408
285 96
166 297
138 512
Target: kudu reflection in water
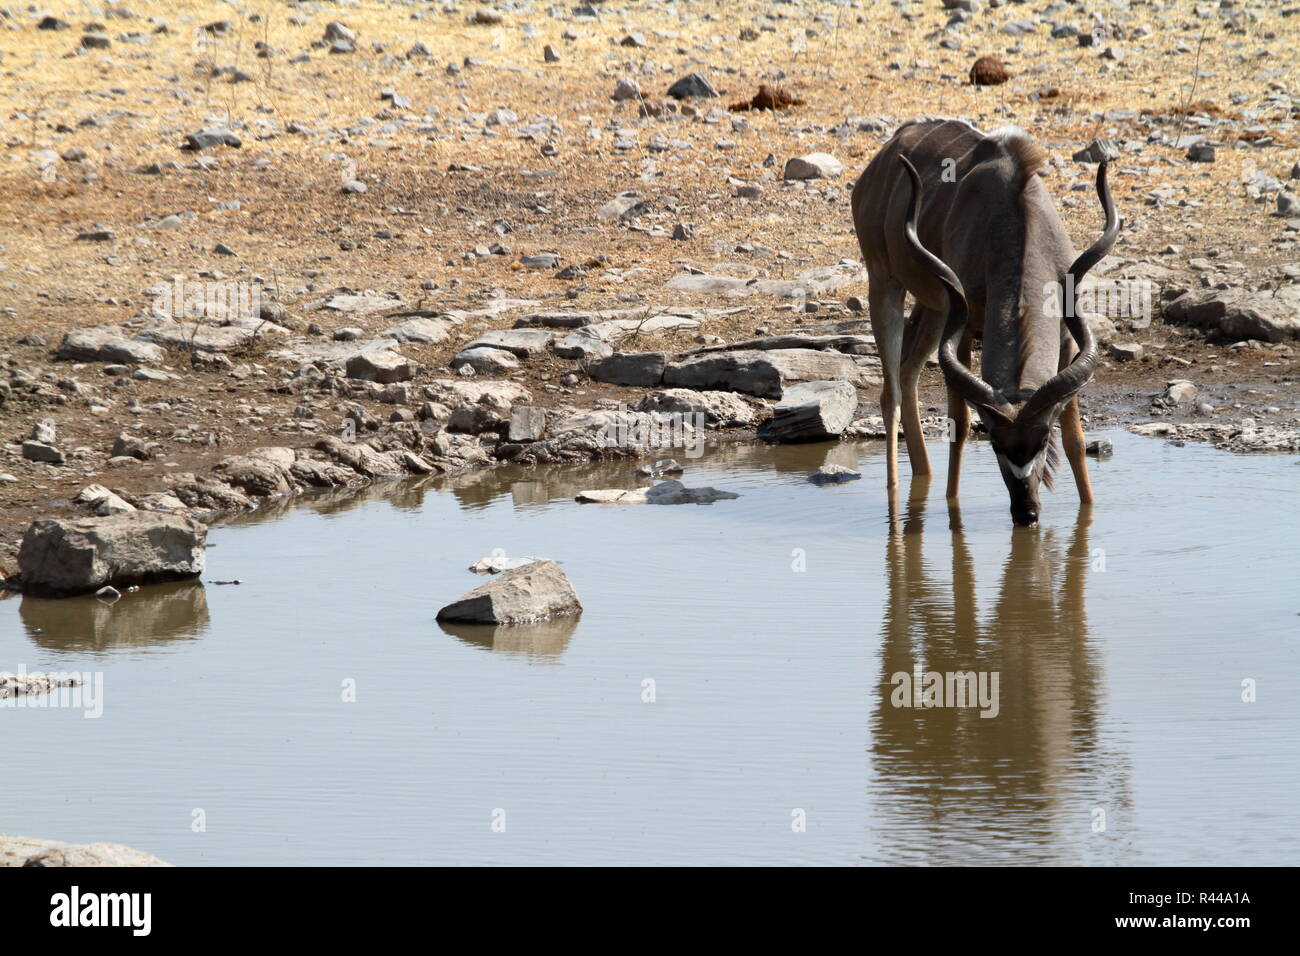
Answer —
1023 784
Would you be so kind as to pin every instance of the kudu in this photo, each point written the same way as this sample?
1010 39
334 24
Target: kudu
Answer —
961 220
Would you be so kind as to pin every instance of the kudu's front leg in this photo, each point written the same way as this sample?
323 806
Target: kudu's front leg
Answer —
1076 448
958 424
886 301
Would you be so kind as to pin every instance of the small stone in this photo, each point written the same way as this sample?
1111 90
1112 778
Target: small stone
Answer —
1099 448
693 84
43 451
812 166
833 474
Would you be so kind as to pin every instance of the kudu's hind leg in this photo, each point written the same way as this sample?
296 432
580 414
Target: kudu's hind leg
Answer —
922 338
958 425
1075 445
886 302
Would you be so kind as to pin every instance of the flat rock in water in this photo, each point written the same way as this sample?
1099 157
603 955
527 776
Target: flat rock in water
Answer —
811 411
765 373
612 496
833 475
538 591
675 493
61 557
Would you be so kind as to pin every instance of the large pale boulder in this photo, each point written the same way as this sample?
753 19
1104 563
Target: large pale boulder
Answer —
61 557
811 411
535 592
765 373
1240 313
108 343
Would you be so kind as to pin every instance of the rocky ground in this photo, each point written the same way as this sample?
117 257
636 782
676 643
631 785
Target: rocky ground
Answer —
254 248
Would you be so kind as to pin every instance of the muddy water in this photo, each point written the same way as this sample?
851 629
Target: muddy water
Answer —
767 630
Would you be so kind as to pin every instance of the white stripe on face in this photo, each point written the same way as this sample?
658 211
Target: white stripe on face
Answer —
1022 471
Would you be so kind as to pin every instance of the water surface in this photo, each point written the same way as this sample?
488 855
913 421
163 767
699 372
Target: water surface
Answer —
725 697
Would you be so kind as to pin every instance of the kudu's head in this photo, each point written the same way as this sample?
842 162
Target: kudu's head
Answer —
1019 426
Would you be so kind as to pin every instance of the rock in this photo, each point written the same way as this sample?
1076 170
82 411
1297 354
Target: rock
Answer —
763 373
1180 391
693 84
495 392
612 496
527 423
40 451
60 557
265 475
1241 314
132 447
626 89
209 137
43 431
486 360
584 344
420 331
811 411
719 409
486 16
641 369
215 335
1202 153
19 851
550 54
107 344
664 466
683 231
472 419
1288 204
96 41
524 343
833 474
102 501
1099 448
812 166
384 366
32 685
675 493
1096 151
1125 351
621 209
538 591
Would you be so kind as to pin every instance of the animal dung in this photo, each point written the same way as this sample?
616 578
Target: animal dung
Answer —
988 71
768 98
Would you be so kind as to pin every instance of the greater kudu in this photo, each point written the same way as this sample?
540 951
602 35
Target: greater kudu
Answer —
961 220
